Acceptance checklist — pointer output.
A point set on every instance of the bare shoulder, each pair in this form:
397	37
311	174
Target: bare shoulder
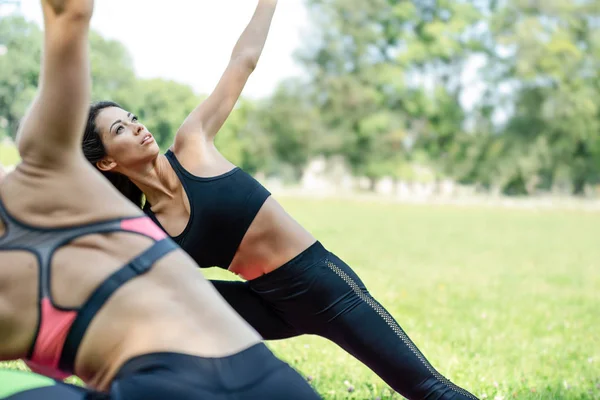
70	195
202	158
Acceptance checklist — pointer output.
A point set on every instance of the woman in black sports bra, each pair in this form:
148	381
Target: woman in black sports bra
89	285
222	217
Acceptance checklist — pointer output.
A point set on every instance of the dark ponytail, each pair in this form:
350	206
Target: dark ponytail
94	151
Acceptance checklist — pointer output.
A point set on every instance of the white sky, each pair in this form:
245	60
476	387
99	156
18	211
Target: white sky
190	41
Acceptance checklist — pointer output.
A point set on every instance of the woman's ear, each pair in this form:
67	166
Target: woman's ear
106	164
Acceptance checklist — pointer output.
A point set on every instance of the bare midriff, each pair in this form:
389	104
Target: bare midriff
272	239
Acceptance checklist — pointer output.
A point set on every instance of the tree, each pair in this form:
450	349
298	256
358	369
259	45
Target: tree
111	69
113	77
244	141
161	105
293	125
384	72
19	69
549	54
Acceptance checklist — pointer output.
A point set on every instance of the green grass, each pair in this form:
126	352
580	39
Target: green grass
505	303
9	155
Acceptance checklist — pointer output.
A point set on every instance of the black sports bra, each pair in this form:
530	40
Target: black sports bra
221	211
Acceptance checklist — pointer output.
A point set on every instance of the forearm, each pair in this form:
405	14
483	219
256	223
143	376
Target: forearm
252	40
57	116
206	119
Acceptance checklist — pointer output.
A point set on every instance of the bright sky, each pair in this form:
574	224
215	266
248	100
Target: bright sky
190	41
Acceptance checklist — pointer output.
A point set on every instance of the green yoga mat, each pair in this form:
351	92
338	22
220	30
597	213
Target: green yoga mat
12	382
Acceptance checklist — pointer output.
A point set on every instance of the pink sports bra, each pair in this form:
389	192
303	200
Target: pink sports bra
60	330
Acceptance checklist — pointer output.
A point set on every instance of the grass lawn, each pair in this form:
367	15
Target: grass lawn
9	155
505	303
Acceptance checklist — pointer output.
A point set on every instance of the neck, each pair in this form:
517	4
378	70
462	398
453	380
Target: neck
157	180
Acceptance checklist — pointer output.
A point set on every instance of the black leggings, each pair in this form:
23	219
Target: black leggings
317	293
254	373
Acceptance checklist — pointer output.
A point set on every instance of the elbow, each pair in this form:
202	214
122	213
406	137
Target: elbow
73	10
79	14
247	59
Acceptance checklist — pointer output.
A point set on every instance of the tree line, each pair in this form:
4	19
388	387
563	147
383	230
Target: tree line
386	85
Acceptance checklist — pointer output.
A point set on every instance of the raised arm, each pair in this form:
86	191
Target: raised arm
205	121
51	131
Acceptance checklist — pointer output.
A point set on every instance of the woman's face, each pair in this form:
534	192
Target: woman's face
127	142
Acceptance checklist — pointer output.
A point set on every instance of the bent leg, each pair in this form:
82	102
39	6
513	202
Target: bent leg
364	328
254	310
323	296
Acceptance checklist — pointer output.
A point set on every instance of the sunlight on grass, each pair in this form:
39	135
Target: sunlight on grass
9	154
